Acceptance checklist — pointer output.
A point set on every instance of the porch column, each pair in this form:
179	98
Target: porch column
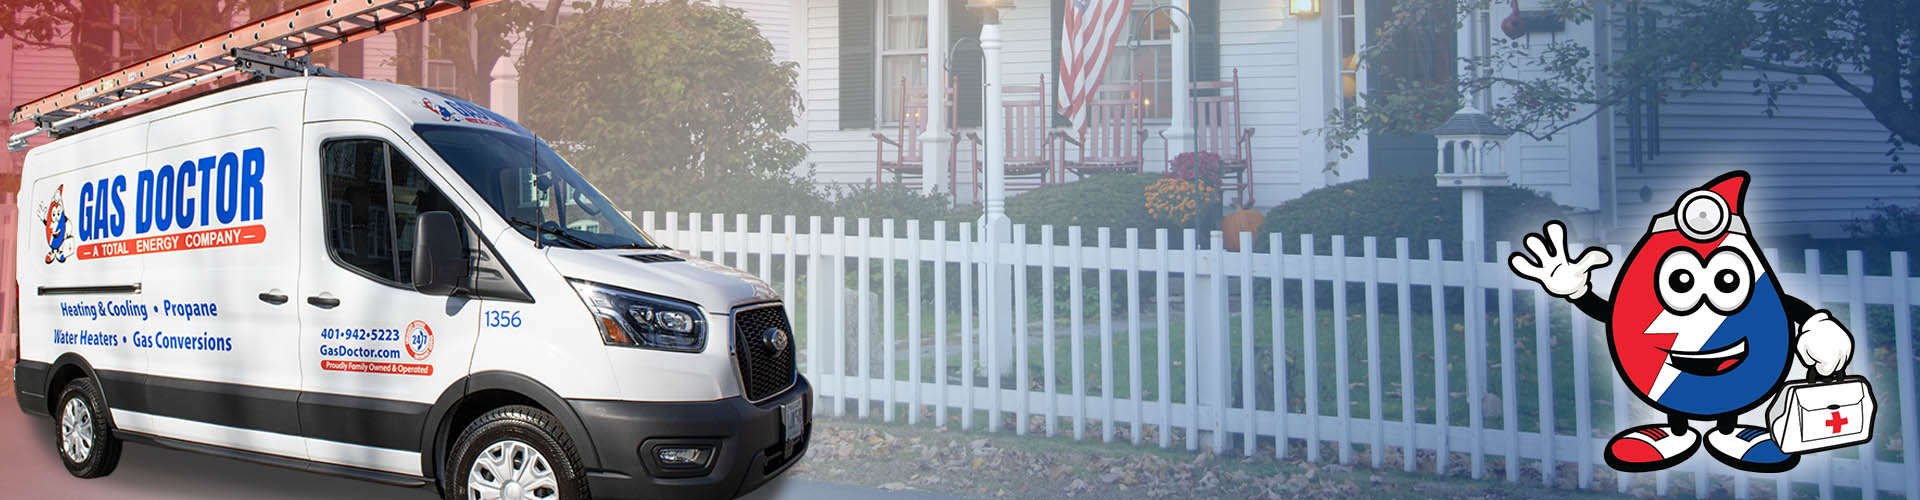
1180	128
935	139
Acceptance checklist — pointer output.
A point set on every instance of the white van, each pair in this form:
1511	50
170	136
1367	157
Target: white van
387	283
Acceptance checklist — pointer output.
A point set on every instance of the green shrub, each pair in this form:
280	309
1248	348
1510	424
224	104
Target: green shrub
1118	201
901	204
1888	227
741	194
1409	206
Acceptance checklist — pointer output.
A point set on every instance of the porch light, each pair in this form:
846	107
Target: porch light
989	10
1305	8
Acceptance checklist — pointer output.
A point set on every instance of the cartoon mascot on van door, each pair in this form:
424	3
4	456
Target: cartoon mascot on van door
1700	330
55	220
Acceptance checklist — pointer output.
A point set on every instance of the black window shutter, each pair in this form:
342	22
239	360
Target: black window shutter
963	23
856	64
1205	40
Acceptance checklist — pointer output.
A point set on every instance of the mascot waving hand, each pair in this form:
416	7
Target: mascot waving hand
1698	328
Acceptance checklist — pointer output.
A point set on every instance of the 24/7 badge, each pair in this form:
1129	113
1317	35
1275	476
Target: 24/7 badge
419	340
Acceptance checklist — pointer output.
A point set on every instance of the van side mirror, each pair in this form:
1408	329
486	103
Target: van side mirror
440	263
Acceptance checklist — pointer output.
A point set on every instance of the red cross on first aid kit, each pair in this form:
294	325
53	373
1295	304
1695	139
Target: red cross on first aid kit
1813	415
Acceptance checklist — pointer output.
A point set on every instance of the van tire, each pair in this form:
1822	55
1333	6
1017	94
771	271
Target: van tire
523	424
90	420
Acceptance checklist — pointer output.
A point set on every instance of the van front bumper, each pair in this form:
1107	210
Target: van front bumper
744	440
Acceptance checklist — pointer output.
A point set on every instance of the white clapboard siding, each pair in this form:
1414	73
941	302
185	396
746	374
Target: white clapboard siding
1213	293
1256	37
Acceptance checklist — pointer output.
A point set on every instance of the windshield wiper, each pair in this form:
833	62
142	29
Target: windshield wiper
562	234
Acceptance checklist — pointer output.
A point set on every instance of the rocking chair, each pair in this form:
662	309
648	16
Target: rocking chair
908	164
1030	158
1217	129
1114	138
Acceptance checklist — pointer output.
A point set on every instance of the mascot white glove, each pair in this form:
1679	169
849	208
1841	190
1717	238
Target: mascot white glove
1549	265
1824	346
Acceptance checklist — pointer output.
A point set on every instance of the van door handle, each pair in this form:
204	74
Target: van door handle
273	297
323	301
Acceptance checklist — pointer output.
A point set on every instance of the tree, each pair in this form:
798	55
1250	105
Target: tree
1685	45
498	27
92	28
664	94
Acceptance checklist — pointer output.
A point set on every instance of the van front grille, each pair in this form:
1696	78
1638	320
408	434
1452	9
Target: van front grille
766	366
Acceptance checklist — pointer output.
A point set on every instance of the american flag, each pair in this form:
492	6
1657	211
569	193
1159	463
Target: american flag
1091	29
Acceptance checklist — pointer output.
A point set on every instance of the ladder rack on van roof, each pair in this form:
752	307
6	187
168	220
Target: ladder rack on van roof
272	47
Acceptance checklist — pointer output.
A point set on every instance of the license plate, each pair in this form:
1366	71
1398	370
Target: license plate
793	417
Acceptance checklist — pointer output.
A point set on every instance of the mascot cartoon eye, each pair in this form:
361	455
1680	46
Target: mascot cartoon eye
1732	277
1679	278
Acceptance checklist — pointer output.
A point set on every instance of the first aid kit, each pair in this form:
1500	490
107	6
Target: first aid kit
1822	414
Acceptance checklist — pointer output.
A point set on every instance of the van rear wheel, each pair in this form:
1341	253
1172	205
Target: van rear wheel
83	431
512	453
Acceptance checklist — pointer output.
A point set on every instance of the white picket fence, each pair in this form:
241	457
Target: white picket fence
958	371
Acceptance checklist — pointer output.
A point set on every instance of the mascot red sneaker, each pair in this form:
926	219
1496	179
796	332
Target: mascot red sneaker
1698	328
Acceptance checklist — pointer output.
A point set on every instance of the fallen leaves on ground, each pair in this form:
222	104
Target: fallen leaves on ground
968	465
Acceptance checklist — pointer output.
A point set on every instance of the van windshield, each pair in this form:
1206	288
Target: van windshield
533	189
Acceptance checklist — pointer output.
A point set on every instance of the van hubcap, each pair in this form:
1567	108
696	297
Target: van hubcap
511	470
76	431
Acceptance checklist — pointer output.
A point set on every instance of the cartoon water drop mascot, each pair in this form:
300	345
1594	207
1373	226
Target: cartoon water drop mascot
55	220
1698	328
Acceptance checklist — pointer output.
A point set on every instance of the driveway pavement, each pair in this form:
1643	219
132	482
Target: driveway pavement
29	469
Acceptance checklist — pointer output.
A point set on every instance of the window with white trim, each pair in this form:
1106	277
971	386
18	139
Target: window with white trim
1146	50
1349	60
902	39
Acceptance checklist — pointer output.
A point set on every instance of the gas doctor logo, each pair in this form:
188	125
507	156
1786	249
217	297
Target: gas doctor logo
210	193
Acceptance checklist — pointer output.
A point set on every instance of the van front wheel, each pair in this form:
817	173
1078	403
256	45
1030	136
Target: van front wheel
83	433
515	452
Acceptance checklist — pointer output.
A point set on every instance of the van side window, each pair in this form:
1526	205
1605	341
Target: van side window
356	194
371	222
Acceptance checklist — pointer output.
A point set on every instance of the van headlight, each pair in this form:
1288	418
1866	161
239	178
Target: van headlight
632	319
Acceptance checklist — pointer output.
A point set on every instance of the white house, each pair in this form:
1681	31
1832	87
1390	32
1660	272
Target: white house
1818	161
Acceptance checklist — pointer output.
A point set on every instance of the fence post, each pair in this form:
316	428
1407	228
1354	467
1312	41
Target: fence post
1104	236
1442	400
1310	344
1903	351
1862	364
1218	333
1473	313
1076	332
968	246
1404	294
1249	401
888	327
1195	323
1376	451
914	326
816	339
1050	360
1342	385
863	325
1277	250
1134	382
1509	364
1162	334
1813	296
940	323
1019	296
